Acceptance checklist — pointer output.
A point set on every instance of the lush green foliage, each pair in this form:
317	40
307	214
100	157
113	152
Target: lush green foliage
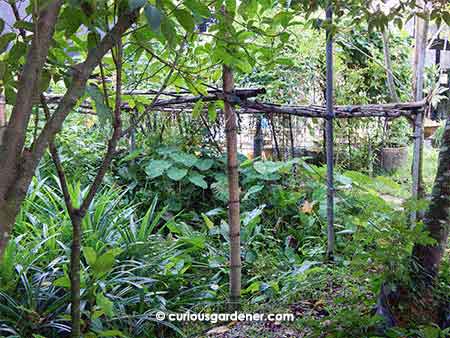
156	236
140	257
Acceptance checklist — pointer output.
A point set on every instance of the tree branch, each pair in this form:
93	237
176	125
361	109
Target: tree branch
15	133
80	76
117	127
58	165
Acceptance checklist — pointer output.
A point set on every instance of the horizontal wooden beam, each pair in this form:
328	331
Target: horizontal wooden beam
440	44
391	110
184	104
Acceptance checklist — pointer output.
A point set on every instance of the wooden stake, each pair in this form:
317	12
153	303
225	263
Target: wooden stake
2	116
233	191
418	86
329	137
258	140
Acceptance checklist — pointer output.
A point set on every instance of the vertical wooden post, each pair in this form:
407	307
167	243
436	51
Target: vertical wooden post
133	136
258	141
2	110
291	137
329	136
233	191
421	34
2	116
388	65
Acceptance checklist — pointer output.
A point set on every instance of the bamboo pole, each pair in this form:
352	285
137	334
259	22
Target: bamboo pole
233	190
418	86
329	137
258	140
2	116
388	65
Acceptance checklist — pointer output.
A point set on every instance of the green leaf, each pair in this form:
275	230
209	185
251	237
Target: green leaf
267	167
168	30
10	95
198	8
135	4
176	174
17	51
93	39
198	180
253	190
204	164
71	20
154	17
231	7
212	111
185	19
28	26
90	255
156	168
5	40
44	81
284	61
2	69
63	282
105	304
198	107
104	263
208	222
186	159
132	156
103	112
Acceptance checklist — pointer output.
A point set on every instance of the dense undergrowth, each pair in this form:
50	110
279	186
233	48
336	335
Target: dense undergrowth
156	238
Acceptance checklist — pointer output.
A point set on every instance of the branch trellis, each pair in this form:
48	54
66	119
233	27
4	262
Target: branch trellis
243	101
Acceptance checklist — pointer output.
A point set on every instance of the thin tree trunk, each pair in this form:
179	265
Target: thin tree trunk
75	310
77	215
436	220
388	65
233	191
12	191
17	165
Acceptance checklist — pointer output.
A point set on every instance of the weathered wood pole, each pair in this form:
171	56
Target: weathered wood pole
418	86
2	116
388	65
258	140
233	191
291	137
329	136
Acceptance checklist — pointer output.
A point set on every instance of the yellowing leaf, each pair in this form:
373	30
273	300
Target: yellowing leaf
308	207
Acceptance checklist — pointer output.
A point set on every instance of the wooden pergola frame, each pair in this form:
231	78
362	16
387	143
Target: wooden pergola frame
240	101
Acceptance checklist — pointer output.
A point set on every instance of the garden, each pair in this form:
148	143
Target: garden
167	164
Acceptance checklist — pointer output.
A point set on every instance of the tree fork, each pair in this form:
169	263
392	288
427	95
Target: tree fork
17	166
